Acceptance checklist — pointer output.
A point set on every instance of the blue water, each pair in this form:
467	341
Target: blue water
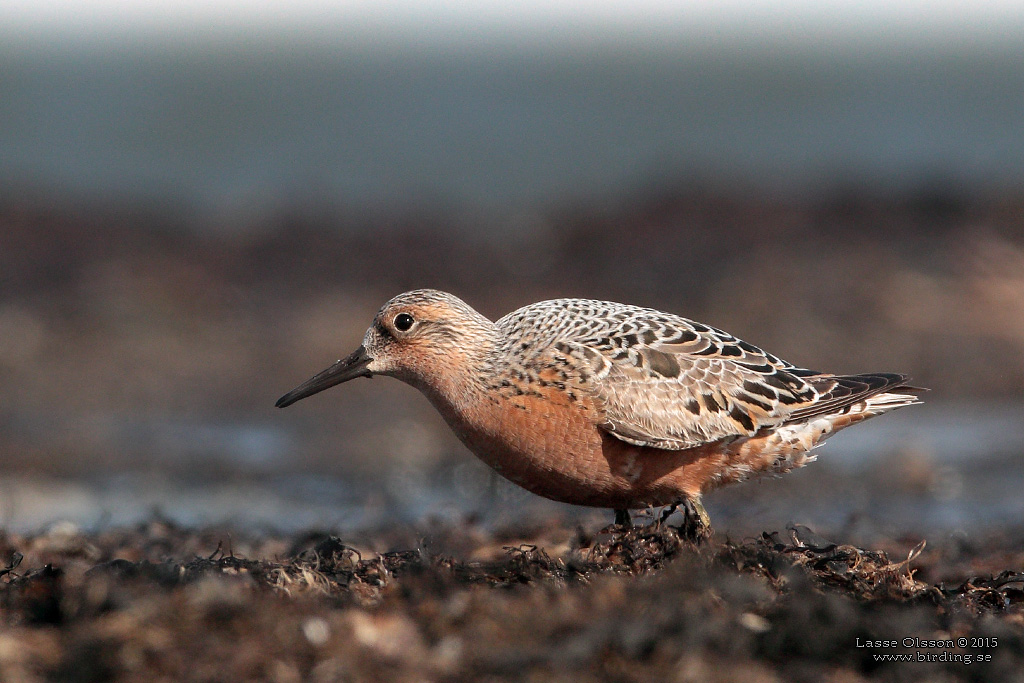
230	129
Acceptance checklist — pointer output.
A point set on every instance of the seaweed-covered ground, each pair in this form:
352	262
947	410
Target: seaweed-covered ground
456	602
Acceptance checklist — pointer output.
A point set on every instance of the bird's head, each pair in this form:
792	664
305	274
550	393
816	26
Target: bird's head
423	337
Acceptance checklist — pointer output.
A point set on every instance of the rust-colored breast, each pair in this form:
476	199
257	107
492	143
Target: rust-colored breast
551	445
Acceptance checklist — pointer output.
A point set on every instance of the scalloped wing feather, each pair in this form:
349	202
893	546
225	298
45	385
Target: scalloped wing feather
684	384
664	381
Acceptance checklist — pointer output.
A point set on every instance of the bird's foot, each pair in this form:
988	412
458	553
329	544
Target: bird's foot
696	526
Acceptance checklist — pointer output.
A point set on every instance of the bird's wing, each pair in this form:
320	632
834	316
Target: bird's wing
668	382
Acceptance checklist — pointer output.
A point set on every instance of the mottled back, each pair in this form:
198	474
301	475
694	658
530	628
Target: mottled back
664	381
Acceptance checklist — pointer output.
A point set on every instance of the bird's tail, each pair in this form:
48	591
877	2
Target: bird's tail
838	393
872	406
790	445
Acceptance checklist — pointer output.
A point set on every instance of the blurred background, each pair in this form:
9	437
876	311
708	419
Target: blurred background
202	204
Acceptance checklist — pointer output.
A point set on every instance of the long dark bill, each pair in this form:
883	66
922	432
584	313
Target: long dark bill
345	369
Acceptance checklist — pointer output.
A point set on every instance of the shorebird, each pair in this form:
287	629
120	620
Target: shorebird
609	405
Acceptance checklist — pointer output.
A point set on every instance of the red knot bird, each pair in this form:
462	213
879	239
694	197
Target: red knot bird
609	405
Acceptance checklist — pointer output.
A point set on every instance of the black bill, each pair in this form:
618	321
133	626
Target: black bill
345	369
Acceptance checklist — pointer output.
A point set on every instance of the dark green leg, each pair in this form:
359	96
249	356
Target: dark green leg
696	523
668	513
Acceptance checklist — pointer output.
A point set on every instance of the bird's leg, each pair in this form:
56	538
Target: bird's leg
696	523
668	512
622	518
702	514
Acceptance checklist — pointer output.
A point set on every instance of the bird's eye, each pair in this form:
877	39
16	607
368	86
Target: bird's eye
403	321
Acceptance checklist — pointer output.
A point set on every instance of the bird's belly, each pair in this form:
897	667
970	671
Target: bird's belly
555	449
